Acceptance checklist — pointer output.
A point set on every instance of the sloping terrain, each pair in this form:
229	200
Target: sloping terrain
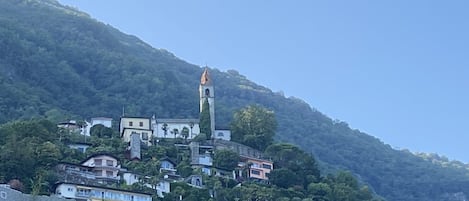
59	63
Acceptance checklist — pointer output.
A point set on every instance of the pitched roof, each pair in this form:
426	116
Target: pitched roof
205	79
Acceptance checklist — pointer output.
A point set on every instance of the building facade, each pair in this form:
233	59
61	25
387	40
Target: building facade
136	125
174	128
94	193
105	167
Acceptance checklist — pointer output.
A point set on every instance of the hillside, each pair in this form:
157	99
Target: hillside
59	63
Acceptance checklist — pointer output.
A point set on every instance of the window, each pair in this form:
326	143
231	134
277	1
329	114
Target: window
267	166
98	173
109	163
207	92
98	162
220	134
131	123
256	172
255	165
144	136
109	174
141	124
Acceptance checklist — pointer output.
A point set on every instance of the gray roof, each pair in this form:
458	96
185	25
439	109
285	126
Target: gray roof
195	121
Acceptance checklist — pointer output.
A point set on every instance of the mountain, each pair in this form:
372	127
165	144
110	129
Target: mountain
60	63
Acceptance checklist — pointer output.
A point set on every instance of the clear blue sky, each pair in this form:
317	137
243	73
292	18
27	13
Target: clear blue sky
397	70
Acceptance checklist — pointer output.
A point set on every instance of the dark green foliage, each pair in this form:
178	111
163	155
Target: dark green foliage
254	126
205	123
58	63
290	161
225	159
101	131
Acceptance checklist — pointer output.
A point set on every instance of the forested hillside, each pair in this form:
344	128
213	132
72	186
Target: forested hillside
59	63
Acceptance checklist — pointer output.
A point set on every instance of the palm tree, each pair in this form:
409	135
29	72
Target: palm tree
165	129
185	133
191	125
175	132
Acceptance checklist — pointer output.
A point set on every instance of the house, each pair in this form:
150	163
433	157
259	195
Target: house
70	126
9	193
167	165
107	122
136	125
81	192
175	128
105	167
258	168
195	181
222	134
80	146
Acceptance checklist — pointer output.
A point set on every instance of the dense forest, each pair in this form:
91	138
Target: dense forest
59	63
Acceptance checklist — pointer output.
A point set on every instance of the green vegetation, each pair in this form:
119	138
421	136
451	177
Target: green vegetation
254	126
58	63
205	123
43	146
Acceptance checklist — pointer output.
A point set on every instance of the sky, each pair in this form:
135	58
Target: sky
397	70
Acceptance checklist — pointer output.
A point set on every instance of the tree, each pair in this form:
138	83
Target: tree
185	132
101	131
254	126
205	123
293	158
284	178
175	132
165	129
226	159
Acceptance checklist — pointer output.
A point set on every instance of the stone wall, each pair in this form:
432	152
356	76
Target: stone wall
8	194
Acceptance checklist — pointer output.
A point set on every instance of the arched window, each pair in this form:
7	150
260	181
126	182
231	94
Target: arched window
207	92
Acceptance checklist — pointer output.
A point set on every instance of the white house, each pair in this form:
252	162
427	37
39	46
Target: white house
138	125
105	121
90	193
106	167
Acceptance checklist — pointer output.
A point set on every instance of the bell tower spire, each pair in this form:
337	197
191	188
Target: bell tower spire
206	92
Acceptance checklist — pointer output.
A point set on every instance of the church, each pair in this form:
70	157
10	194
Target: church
148	128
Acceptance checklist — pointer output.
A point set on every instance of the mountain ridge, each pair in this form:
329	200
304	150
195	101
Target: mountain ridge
60	63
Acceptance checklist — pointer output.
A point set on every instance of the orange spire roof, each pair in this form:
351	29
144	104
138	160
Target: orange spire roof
205	78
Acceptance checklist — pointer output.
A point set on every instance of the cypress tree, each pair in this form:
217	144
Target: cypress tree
205	123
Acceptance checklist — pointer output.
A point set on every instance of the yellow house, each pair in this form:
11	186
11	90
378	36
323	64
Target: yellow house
139	125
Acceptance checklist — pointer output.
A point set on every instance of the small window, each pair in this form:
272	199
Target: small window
220	134
109	174
141	124
256	172
131	123
266	166
109	163
207	92
98	162
98	173
144	136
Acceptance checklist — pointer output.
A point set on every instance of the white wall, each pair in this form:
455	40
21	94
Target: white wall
66	190
159	133
222	135
107	122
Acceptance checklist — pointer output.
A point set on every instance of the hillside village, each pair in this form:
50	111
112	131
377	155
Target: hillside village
100	174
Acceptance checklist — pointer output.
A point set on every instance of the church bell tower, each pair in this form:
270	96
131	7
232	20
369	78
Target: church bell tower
207	93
